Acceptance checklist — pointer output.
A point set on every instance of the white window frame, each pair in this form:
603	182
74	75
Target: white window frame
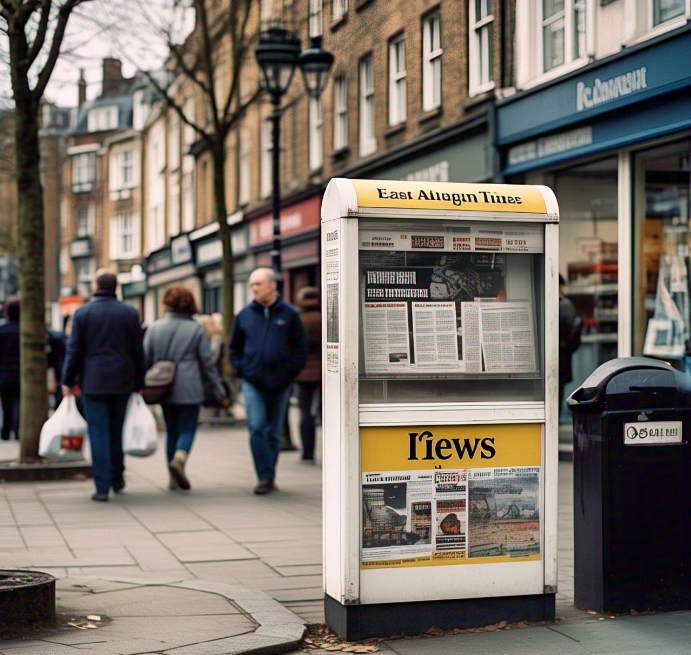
86	227
368	140
481	73
124	243
266	156
670	23
174	142
398	90
340	9
187	200
126	168
100	119
340	112
266	11
88	263
431	62
316	19
174	188
316	134
570	60
245	170
84	168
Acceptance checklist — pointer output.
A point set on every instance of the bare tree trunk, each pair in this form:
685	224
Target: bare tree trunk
228	262
34	394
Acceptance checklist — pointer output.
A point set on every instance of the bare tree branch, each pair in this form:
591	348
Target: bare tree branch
41	32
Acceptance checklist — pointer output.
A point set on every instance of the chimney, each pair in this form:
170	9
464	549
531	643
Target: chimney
112	76
82	87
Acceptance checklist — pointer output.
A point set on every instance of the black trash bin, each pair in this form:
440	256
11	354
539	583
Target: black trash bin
632	487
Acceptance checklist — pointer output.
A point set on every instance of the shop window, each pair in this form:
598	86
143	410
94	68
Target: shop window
588	260
662	238
664	10
397	81
431	62
563	32
481	55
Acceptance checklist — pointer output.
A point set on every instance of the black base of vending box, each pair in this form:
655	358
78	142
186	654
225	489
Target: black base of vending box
358	622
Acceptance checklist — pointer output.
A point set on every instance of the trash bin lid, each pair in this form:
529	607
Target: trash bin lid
593	389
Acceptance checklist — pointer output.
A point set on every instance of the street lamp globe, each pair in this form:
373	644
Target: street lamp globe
277	55
315	65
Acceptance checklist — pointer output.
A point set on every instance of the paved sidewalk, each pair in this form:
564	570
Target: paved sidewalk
221	534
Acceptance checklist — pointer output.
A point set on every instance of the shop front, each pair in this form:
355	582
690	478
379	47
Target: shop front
168	266
613	140
300	223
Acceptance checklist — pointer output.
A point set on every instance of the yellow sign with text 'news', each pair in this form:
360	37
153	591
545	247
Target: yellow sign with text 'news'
490	198
447	495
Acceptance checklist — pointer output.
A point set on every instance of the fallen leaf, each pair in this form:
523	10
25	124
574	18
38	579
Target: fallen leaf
591	612
75	625
91	626
93	617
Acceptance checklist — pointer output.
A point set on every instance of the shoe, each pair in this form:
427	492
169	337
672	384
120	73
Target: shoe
118	487
265	487
288	446
177	470
307	460
100	498
172	485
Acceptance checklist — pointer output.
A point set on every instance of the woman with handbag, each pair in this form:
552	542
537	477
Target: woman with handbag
179	360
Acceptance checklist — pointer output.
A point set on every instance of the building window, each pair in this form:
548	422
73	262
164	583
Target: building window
266	11
431	62
340	113
86	220
174	204
368	143
188	201
316	133
245	167
340	9
265	186
102	118
85	269
315	18
481	53
83	168
174	142
664	10
563	32
122	245
397	81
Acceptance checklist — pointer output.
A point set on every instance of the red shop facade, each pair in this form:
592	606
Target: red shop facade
300	225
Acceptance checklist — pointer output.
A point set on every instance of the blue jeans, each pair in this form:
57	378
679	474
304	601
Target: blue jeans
266	411
181	426
105	414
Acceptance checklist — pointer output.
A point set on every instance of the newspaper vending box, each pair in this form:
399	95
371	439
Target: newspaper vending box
440	338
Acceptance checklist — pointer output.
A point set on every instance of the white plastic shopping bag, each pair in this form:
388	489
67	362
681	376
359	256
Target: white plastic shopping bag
64	433
139	431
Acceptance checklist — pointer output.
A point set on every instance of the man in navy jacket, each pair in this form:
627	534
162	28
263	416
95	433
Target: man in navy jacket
105	359
268	348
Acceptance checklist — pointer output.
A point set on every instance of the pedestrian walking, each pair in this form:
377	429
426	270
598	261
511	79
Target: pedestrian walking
105	364
9	370
570	329
268	348
179	338
308	381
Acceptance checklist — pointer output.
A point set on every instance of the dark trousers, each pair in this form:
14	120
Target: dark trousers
266	411
10	412
105	414
181	426
309	396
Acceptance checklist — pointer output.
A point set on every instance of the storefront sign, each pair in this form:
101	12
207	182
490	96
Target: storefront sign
159	261
209	252
635	75
551	145
300	217
181	249
467	197
445	495
81	248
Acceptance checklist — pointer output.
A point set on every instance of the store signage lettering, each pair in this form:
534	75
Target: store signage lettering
445	448
604	91
457	199
435	173
551	145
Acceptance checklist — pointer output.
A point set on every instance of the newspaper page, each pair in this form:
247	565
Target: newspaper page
387	341
508	337
332	264
472	346
456	515
504	512
435	335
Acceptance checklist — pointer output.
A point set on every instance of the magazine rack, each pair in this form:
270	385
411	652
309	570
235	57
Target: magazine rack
440	417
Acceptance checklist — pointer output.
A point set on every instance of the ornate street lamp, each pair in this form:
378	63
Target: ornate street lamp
278	54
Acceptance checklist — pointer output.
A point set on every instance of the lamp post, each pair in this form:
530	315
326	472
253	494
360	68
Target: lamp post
278	54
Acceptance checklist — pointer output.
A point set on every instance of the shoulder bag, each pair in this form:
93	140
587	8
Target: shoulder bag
159	379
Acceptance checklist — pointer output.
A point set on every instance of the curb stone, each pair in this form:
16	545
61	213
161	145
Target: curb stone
279	630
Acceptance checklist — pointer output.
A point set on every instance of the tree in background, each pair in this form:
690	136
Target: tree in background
33	32
208	46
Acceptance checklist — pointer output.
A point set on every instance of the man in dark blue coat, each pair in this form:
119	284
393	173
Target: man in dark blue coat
268	348
105	360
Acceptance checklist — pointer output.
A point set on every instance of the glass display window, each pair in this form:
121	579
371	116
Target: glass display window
449	311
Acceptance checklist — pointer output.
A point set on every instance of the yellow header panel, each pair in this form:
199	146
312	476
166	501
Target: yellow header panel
450	196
